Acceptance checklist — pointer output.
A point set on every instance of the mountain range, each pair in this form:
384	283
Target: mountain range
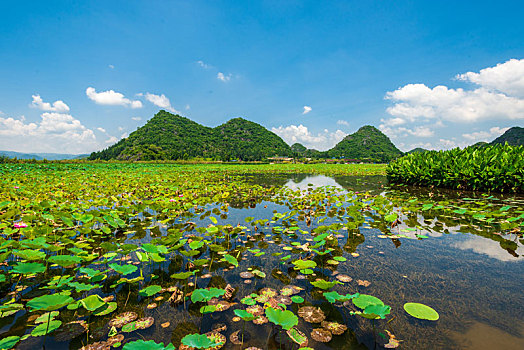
42	156
170	136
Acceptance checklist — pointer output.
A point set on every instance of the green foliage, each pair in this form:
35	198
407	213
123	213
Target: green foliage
492	168
368	143
147	345
421	311
286	319
169	136
199	341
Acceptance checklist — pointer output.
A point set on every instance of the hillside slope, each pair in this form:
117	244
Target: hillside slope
169	136
513	136
367	143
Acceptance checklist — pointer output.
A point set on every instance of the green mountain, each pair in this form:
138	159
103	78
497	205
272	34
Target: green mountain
513	136
417	150
367	143
169	136
298	148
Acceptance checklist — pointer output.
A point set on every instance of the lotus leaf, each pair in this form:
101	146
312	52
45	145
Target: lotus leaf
49	302
28	268
421	311
150	290
123	269
199	341
206	294
147	345
46	328
9	342
286	319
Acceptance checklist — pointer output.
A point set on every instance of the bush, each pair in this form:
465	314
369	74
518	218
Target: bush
491	168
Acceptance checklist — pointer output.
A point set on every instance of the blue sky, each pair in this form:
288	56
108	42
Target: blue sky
76	77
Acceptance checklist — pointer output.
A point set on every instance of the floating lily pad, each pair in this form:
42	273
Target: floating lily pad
421	311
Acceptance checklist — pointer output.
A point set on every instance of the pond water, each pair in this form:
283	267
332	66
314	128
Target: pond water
470	270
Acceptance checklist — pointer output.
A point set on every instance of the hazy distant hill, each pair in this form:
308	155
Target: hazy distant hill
513	136
41	156
169	136
367	143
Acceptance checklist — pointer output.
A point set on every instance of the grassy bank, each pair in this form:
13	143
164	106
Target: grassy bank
494	168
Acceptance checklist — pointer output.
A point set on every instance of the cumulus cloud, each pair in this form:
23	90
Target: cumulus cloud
111	98
499	95
57	106
136	119
161	101
507	77
307	109
299	133
224	78
55	132
342	122
488	135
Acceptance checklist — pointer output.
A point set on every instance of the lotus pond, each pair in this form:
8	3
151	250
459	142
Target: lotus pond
145	256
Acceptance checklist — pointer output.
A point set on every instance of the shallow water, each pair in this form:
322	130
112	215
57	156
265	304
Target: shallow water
471	274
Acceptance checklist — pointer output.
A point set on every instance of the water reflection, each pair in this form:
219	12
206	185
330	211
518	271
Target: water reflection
488	247
312	182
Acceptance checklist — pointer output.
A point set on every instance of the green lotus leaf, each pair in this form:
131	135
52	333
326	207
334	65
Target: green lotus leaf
28	268
82	287
304	264
363	300
199	341
206	294
105	309
286	319
243	314
92	302
45	328
183	275
231	259
207	309
65	260
30	254
297	299
147	345
49	302
9	342
124	269
421	311
324	284
376	311
47	317
149	291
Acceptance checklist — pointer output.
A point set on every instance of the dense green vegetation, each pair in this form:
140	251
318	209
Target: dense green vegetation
367	143
169	136
492	168
514	137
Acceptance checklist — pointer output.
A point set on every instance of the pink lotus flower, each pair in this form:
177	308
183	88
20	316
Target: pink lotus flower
20	224
181	195
172	200
17	187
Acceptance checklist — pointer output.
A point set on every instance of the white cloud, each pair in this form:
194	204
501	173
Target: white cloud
489	135
55	132
204	65
321	141
111	139
417	101
499	95
307	109
224	78
401	132
101	130
136	119
111	98
161	101
342	122
188	107
111	66
507	77
57	106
